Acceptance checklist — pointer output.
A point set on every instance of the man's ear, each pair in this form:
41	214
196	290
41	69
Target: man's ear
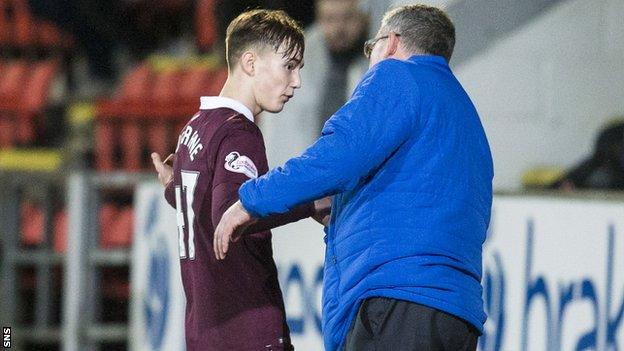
247	62
392	45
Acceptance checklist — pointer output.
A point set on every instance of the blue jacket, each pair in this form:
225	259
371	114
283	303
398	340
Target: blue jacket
411	170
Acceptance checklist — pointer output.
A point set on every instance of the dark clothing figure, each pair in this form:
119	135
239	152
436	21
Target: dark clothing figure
605	168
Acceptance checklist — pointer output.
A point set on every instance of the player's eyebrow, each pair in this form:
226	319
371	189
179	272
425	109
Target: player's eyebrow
296	61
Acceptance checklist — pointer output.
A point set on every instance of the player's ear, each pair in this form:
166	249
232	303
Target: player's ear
247	62
392	44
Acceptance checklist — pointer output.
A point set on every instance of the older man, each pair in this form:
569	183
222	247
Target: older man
410	167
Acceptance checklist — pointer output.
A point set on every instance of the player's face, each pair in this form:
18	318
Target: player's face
276	79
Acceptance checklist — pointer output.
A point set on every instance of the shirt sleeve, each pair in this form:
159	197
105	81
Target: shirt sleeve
240	157
355	141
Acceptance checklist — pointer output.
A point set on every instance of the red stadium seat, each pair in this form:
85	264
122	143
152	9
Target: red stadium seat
11	89
24	24
158	137
32	224
135	92
24	90
12	83
34	99
116	226
105	145
205	24
6	26
19	29
131	145
107	215
60	231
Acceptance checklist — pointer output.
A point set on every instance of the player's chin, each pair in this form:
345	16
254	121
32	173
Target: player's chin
276	107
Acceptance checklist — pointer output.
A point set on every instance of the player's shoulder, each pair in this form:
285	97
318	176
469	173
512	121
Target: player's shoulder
238	123
237	126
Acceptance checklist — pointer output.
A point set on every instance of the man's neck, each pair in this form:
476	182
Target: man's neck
233	90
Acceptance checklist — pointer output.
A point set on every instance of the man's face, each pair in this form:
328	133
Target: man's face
341	22
276	79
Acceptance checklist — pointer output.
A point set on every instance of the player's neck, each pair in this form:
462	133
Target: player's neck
241	93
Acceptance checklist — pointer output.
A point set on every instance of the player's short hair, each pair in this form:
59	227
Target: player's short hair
423	29
272	28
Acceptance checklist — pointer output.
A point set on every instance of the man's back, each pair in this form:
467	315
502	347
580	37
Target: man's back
235	304
424	210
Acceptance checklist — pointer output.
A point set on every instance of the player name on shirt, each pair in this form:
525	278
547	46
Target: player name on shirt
191	140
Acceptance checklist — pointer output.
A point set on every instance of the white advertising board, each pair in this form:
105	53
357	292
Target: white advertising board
553	276
157	306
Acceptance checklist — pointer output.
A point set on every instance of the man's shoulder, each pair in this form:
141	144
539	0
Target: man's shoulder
390	66
387	78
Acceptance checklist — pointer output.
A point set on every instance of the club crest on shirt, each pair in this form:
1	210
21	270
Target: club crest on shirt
234	162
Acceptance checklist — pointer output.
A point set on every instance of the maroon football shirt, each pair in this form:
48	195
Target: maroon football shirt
234	304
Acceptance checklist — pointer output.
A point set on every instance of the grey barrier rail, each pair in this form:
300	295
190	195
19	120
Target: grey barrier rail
66	313
42	326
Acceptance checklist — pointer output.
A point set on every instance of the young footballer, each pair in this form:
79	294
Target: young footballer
235	304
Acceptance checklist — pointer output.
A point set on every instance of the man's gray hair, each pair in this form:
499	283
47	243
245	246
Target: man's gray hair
422	29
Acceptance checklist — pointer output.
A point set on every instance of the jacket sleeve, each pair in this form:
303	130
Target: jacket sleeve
355	141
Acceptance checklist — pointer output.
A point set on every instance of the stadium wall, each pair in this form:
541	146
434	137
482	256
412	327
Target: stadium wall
545	89
553	275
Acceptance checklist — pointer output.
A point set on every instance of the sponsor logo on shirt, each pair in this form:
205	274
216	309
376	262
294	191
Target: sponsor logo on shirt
238	163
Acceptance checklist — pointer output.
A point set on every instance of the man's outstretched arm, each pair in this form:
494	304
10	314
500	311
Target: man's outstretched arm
238	222
355	141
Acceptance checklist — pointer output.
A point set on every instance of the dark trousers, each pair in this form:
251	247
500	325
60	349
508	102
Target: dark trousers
389	324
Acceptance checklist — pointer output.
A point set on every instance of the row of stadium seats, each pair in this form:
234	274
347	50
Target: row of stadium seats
147	112
20	30
115	226
24	90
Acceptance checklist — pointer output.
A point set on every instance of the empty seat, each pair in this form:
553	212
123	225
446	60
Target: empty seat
205	24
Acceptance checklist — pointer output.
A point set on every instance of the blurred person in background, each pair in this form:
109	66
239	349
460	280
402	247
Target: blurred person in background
410	168
604	170
333	67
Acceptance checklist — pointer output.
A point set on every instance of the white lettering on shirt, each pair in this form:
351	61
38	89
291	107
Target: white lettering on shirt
191	140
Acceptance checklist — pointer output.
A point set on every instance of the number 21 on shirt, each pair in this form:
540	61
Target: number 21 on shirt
185	220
